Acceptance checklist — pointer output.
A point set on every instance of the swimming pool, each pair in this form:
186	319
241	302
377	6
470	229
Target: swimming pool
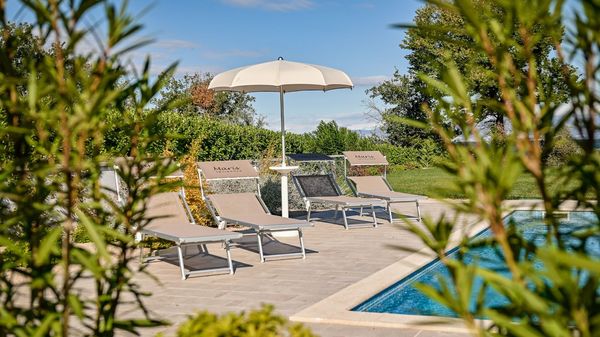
403	298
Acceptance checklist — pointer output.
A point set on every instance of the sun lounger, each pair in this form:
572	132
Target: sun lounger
322	189
377	186
246	209
170	220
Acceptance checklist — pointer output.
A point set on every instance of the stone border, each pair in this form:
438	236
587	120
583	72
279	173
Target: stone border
336	309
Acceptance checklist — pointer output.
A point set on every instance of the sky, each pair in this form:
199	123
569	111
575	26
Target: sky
217	35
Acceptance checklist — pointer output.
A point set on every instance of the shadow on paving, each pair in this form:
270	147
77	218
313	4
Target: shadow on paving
199	261
270	245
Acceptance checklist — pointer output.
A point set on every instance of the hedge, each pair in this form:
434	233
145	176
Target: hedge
223	141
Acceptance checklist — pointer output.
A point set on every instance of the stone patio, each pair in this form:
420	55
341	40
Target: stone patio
336	258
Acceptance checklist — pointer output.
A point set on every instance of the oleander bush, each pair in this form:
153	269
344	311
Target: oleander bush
54	103
550	289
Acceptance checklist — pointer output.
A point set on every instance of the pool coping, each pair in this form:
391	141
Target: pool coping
336	309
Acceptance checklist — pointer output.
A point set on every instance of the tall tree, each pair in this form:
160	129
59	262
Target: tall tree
192	89
438	37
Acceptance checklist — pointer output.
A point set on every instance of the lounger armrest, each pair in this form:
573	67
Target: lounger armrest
357	203
270	227
391	198
200	238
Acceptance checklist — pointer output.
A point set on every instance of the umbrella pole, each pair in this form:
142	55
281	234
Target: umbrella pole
284	173
281	109
283	170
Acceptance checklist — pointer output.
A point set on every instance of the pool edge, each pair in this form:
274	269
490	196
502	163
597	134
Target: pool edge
336	309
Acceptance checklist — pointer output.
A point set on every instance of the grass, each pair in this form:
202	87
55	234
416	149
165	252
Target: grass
434	182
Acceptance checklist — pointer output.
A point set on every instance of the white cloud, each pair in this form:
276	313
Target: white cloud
174	44
272	5
369	81
361	126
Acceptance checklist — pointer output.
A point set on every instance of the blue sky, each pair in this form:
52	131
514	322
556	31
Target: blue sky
217	35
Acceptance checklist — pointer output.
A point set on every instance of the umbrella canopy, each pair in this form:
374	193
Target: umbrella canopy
281	76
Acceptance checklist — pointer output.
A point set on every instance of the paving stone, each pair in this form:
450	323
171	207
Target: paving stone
338	259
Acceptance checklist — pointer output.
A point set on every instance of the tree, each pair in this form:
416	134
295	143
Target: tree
192	90
405	94
54	105
440	36
331	139
552	285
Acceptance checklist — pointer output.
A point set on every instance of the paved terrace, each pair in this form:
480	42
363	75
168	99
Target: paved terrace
336	259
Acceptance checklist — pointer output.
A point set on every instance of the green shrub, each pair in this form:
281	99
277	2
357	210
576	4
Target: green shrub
564	148
257	323
225	141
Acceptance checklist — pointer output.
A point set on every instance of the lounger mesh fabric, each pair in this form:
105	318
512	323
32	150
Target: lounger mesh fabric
317	186
364	158
376	186
323	189
246	208
230	169
171	222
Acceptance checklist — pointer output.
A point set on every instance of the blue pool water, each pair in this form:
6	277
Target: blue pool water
403	298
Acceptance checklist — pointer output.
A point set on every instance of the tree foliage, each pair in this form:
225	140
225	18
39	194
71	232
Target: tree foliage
439	36
192	90
330	138
54	104
552	289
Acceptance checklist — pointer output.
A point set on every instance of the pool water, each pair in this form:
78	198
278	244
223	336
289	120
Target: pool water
403	298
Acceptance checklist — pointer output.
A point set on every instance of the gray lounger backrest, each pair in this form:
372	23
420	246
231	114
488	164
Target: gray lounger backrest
322	185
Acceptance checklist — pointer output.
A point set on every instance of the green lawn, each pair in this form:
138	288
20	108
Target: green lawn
435	182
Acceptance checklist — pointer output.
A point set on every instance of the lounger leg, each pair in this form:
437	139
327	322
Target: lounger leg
180	253
141	249
227	250
301	243
308	212
141	254
260	247
374	216
389	207
361	211
418	212
336	211
344	216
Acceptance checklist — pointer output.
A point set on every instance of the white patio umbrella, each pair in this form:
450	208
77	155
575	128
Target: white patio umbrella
281	76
